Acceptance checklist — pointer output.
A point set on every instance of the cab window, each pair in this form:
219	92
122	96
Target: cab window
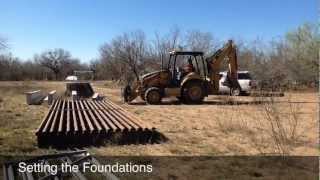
244	76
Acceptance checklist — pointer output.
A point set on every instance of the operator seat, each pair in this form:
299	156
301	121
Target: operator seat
189	67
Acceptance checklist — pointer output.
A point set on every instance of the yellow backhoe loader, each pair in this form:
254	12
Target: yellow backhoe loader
190	83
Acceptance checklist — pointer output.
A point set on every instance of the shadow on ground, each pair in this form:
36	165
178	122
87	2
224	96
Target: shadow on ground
210	102
63	141
219	102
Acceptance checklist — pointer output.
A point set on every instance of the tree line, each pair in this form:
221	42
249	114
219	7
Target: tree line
292	59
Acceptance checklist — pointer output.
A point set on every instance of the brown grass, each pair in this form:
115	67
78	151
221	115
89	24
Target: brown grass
225	125
18	121
221	126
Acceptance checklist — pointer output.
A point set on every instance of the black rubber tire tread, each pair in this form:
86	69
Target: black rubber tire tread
185	95
149	90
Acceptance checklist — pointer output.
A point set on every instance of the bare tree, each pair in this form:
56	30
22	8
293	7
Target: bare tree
54	60
174	38
10	67
94	66
163	44
291	59
303	57
128	52
200	41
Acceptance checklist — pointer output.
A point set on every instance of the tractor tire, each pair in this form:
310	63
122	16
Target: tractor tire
193	93
153	96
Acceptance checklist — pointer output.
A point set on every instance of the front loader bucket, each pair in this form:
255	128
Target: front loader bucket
129	93
126	94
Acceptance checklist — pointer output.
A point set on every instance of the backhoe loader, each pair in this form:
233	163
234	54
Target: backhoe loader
190	83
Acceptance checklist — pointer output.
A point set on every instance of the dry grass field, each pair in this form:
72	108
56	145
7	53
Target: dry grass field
221	126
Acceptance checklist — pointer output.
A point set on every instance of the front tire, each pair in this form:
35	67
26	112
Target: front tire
193	93
153	96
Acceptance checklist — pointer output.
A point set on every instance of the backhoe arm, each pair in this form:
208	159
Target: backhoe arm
227	52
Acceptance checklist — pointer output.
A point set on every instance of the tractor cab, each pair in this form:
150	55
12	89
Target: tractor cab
182	63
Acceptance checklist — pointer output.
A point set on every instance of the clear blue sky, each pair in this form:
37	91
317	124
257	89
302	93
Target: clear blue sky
82	26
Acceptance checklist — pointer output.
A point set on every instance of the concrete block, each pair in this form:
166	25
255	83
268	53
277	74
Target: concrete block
34	97
95	96
52	96
74	95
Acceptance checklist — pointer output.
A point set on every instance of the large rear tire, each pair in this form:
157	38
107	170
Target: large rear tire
193	92
153	96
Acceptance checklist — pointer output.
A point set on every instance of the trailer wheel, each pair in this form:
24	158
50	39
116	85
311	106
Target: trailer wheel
153	95
193	93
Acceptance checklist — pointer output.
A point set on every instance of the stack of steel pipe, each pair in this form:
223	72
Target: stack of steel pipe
89	122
